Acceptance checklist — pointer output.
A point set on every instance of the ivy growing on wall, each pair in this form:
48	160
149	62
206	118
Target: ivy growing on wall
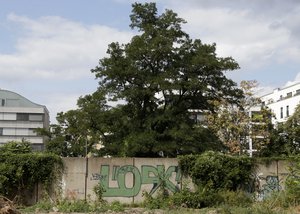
21	169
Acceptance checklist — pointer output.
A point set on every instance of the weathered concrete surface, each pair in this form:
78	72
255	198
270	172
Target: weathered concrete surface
73	178
125	179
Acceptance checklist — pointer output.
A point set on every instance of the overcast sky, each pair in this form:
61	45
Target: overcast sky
47	48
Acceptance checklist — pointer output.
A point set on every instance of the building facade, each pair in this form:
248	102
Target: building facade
19	117
282	102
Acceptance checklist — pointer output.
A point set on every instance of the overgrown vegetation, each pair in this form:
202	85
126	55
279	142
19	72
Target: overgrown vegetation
21	169
207	196
217	171
220	179
221	187
292	183
98	190
71	206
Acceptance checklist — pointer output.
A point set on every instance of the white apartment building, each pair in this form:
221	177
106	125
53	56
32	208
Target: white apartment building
19	117
282	102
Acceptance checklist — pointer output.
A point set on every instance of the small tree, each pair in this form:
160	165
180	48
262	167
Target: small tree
234	125
285	139
292	130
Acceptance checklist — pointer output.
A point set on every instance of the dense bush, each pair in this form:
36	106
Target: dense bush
218	171
219	178
21	169
16	147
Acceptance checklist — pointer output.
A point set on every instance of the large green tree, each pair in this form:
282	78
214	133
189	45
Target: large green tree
147	89
156	79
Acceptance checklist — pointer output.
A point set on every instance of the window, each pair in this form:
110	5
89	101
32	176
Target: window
289	94
297	91
287	111
36	117
9	116
2	102
1	131
281	112
37	147
22	117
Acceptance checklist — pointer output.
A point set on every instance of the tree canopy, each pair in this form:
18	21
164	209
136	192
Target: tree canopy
154	81
285	139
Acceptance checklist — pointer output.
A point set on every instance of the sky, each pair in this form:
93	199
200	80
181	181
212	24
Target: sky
47	48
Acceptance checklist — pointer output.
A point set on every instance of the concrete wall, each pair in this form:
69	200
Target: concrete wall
270	177
125	179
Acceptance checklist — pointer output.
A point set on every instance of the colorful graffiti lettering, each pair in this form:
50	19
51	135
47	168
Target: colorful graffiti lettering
157	176
271	185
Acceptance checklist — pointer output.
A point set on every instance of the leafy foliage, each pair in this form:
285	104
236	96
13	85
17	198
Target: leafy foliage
292	183
21	169
280	144
16	147
233	124
292	131
71	138
198	199
217	171
155	80
285	139
99	190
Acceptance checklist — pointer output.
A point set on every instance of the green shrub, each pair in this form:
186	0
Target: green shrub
41	206
116	206
16	147
236	198
292	183
218	171
21	171
99	190
198	199
74	206
87	207
158	202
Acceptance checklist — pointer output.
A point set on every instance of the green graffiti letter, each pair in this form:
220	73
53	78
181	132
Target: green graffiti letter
120	175
160	177
154	179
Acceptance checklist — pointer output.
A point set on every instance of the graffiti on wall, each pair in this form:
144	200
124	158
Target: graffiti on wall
271	184
73	193
158	176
